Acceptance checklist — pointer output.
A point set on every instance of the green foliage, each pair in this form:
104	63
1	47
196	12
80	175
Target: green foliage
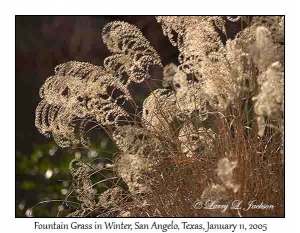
43	177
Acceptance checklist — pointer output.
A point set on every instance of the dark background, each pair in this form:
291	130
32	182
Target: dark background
42	42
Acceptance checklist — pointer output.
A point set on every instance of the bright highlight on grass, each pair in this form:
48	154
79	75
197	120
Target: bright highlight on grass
212	132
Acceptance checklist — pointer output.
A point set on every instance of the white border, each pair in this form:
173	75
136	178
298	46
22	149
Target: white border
129	7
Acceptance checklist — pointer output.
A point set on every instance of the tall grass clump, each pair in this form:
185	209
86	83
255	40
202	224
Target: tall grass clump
212	131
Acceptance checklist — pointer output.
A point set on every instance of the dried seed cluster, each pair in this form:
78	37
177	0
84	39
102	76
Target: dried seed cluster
202	97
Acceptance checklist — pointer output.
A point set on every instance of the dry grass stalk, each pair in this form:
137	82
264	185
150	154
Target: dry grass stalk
197	139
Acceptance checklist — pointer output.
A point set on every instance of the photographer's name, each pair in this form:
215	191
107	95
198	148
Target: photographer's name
234	205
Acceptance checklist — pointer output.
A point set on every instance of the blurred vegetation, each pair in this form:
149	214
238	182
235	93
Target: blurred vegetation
43	178
43	42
